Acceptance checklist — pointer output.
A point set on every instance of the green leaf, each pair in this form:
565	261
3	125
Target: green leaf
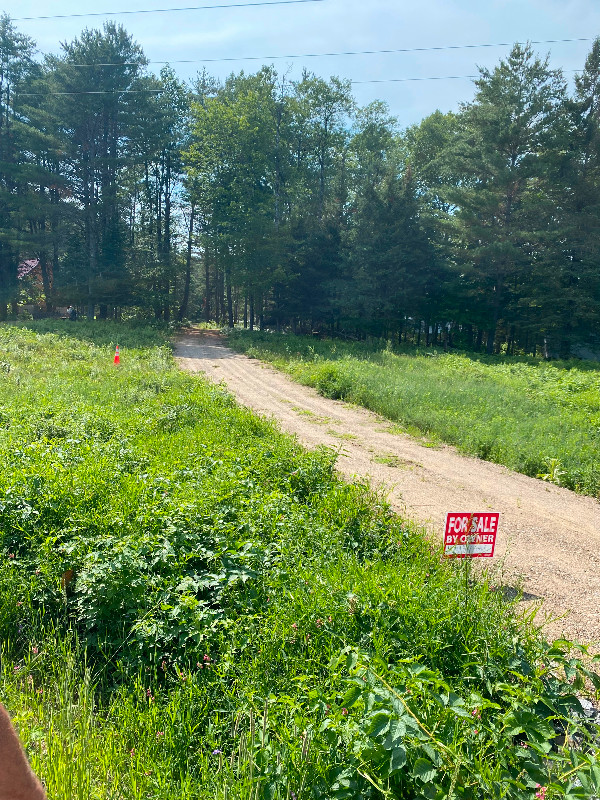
526	722
424	770
396	734
351	696
397	759
380	723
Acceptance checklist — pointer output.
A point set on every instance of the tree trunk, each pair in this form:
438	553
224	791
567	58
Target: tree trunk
207	286
229	300
251	311
188	268
46	281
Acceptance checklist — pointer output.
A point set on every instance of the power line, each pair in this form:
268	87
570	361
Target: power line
166	10
99	91
405	80
335	54
158	91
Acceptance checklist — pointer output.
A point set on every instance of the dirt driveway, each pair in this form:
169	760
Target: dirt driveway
549	538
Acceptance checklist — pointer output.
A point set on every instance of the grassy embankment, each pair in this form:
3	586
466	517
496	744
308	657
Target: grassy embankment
539	418
193	607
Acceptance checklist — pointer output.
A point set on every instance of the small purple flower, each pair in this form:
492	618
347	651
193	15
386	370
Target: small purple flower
216	752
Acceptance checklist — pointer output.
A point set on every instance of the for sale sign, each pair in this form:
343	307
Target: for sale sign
470	534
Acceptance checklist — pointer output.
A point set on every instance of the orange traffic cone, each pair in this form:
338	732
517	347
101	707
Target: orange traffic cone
117	359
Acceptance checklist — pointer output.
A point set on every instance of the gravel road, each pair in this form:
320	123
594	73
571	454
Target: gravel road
549	538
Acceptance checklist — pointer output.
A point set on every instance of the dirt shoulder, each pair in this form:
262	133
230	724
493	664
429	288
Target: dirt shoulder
549	538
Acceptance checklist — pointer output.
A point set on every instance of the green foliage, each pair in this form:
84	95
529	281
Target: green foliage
539	418
188	599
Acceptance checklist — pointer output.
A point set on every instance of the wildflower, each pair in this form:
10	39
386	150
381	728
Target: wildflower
35	650
541	793
163	666
16	668
319	623
19	603
159	734
216	752
11	555
476	730
294	626
132	752
476	713
345	712
38	572
40	690
206	658
329	620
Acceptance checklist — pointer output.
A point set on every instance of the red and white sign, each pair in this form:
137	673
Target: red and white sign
470	534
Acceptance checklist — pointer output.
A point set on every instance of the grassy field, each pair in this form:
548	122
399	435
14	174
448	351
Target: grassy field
539	418
193	607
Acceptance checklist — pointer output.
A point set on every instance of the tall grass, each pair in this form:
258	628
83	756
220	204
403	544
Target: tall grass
193	607
538	418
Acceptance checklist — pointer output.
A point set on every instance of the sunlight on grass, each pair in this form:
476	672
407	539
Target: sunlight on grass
191	606
524	413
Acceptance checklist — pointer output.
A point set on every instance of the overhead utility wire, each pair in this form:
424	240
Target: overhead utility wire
329	55
158	91
166	10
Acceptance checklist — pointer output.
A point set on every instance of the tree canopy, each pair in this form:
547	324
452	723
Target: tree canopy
270	202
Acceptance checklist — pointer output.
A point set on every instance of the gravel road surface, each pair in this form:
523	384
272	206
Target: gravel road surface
549	538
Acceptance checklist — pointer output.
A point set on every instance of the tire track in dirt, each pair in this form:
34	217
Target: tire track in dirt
549	537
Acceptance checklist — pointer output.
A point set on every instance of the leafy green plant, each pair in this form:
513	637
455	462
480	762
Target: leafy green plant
178	581
535	417
554	473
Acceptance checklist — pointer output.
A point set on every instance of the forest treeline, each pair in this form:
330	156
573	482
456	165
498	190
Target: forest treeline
281	203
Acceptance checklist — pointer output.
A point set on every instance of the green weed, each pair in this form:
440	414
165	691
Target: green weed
187	597
522	413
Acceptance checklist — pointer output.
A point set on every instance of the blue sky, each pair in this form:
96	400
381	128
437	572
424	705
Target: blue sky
338	25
